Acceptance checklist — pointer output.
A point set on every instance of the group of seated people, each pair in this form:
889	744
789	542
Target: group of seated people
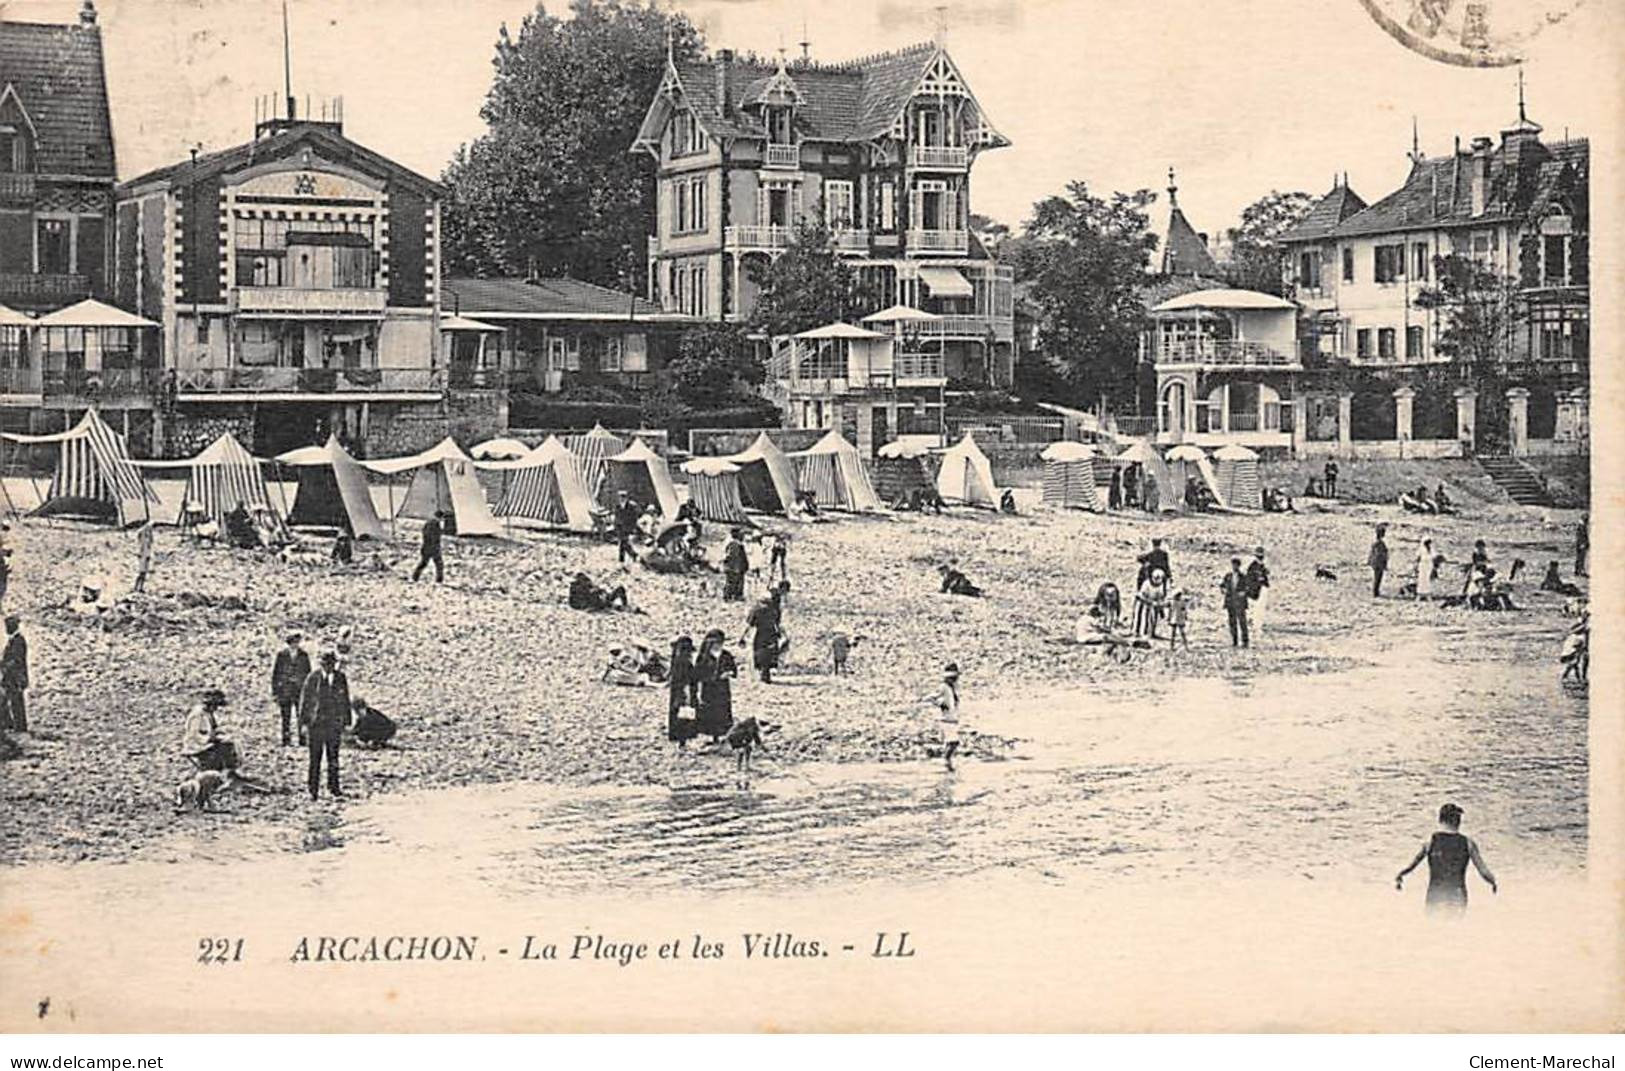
635	663
587	594
919	500
1418	501
1278	500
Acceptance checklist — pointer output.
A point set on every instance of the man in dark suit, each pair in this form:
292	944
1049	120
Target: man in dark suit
14	676
324	710
1258	579
1235	589
626	526
287	680
432	530
1152	560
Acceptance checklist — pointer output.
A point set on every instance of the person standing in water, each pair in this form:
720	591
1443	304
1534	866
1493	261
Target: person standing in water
946	700
1447	853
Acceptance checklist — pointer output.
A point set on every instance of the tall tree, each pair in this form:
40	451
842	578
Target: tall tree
1477	314
552	186
1256	253
808	285
715	366
1084	259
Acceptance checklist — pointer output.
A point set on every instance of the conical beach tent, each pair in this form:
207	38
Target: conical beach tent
713	489
833	471
767	477
94	475
592	453
1069	475
332	491
966	476
1236	472
443	480
645	477
499	449
545	485
901	468
1140	453
223	477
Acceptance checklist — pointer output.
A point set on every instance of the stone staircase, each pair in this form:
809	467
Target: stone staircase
1520	482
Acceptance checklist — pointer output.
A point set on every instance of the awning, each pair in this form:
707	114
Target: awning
945	282
13	318
463	323
89	313
839	331
899	314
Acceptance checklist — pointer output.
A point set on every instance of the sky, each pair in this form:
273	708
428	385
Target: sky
1240	96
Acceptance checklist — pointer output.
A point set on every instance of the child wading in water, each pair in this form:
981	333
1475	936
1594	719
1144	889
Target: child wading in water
1448	853
946	700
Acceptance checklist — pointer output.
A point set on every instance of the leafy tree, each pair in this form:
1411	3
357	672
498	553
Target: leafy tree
551	186
1256	252
715	366
808	285
1477	317
1084	259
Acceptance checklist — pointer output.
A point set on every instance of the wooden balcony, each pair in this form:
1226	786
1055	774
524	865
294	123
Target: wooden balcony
42	290
852	240
16	188
757	237
937	241
918	370
102	384
204	384
309	303
782	157
1224	353
938	157
25	381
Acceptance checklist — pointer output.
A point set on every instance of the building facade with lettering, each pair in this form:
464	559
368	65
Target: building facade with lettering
296	281
880	150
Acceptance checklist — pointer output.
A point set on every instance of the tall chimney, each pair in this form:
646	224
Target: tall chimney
87	14
724	61
1480	174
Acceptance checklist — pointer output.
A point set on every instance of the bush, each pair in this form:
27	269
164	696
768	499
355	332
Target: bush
544	411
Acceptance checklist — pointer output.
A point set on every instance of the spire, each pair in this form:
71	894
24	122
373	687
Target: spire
1522	118
1525	125
671	43
1173	190
287	61
1416	142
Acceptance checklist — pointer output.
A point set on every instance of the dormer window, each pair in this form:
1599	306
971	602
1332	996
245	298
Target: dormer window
687	135
780	124
14	150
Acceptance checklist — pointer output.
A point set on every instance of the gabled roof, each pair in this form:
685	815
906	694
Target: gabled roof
59	79
323	137
566	299
1523	178
1325	214
853	101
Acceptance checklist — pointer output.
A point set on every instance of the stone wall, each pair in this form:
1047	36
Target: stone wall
398	428
187	431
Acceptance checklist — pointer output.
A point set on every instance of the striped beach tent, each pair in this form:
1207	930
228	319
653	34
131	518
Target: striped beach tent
94	475
592	453
901	468
223	477
966	475
545	485
1069	475
833	471
767	476
645	477
1236	472
332	492
713	489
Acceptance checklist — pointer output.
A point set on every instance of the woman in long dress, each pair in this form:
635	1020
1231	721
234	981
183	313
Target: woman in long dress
1150	604
714	671
1424	570
683	692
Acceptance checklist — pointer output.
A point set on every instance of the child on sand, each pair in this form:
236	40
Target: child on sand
946	700
1178	615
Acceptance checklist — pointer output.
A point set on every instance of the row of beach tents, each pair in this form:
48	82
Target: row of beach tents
560	481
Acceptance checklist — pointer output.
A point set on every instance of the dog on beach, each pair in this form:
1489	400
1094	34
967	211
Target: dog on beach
840	649
198	791
1323	572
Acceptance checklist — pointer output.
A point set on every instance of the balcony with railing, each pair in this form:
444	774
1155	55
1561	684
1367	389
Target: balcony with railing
16	188
21	381
1229	353
782	157
100	384
938	157
42	290
918	369
852	240
938	241
770	236
284	301
314	381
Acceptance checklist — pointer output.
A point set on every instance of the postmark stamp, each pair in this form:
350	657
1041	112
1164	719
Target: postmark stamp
1469	33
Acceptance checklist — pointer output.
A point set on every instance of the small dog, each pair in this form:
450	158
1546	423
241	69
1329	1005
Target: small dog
198	791
1324	573
840	649
1518	565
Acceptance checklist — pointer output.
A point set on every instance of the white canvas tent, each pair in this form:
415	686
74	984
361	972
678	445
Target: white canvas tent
94	474
713	489
966	476
1140	453
545	485
443	480
1236	474
645	477
767	477
833	471
332	491
1185	459
1069	475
